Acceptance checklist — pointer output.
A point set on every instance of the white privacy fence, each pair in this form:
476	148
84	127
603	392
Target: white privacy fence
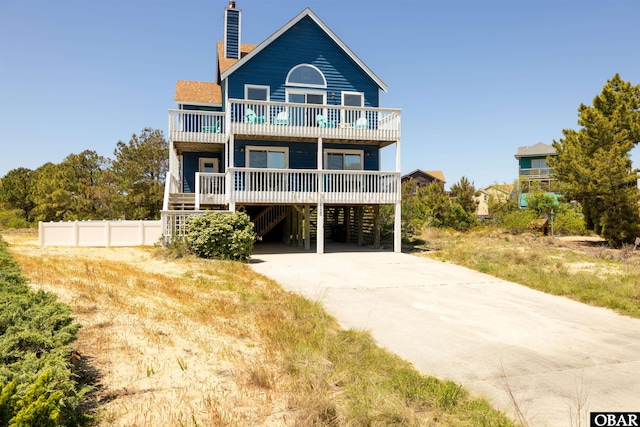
100	233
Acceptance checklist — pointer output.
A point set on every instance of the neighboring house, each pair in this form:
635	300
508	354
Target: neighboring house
498	192
533	170
290	132
422	178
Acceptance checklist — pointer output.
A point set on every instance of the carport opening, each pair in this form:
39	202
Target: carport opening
346	228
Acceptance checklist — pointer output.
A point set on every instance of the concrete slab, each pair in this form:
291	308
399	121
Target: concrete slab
475	329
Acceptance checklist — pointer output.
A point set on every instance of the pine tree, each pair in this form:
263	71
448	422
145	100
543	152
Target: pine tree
15	191
139	169
594	166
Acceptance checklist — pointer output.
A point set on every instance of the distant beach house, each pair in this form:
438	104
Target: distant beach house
290	131
422	178
533	170
497	192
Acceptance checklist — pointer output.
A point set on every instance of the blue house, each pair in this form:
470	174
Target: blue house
290	132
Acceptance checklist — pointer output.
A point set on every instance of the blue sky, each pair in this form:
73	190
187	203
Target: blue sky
475	79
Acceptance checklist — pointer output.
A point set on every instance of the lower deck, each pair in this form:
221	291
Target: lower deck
299	225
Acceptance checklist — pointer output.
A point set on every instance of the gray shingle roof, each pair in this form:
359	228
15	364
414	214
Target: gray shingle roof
540	149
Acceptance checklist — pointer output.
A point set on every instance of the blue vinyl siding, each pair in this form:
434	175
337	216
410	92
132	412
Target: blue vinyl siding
303	155
190	164
304	43
199	107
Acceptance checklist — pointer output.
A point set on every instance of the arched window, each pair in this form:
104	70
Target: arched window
306	75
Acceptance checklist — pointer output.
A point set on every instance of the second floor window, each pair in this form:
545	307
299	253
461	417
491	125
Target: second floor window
539	164
306	75
256	93
267	157
343	159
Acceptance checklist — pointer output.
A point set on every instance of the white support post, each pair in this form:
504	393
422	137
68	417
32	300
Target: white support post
397	229
320	228
41	233
167	192
197	207
141	232
107	233
76	233
397	226
231	151
398	163
230	172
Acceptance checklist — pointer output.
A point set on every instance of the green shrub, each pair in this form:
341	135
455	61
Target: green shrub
221	235
569	222
13	218
519	221
37	387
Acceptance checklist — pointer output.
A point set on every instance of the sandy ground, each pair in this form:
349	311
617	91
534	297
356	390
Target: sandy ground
153	366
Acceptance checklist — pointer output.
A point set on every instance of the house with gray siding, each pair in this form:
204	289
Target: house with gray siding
289	131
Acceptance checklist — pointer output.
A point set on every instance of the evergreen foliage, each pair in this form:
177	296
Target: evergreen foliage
139	172
463	192
594	166
221	235
432	206
15	191
89	186
37	387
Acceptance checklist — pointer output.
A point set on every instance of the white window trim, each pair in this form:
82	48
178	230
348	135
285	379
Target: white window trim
247	87
352	93
305	92
214	160
249	148
343	151
286	80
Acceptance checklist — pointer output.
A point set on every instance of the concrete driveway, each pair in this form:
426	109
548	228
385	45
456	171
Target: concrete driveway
474	329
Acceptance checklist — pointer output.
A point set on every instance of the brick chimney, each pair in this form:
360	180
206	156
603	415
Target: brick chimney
232	31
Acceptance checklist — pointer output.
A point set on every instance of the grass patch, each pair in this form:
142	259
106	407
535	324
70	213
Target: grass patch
206	342
591	273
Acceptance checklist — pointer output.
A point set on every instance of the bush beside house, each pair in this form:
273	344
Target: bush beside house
221	235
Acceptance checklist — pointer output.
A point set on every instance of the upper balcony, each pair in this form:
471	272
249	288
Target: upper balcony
274	120
537	173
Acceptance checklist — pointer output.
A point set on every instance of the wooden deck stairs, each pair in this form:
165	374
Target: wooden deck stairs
182	201
269	218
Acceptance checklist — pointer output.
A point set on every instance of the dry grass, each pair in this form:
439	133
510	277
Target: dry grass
212	343
584	269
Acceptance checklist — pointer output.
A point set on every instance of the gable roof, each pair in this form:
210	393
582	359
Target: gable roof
503	188
437	175
225	63
306	12
198	92
540	149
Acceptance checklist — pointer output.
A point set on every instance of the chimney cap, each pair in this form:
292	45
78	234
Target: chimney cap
232	4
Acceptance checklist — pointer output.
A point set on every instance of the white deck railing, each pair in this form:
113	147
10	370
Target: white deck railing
282	119
211	188
536	172
171	185
197	126
291	186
